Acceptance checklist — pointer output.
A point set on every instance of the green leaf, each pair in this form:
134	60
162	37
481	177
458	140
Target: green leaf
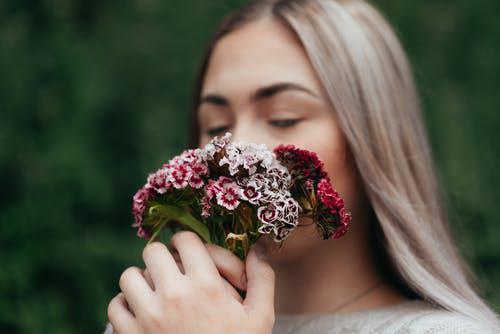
183	216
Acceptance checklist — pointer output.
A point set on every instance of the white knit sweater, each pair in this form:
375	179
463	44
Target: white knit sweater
410	317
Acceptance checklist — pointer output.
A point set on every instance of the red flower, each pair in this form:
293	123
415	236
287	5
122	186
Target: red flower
333	205
300	162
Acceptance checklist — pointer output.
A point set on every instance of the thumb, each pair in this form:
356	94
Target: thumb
260	282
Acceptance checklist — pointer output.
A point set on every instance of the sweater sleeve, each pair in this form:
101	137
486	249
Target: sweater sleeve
109	329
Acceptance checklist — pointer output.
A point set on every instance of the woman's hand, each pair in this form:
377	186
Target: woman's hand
194	296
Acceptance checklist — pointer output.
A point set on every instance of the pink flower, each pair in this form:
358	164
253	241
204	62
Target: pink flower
200	168
143	233
195	181
213	187
180	176
205	206
139	205
228	196
159	180
225	190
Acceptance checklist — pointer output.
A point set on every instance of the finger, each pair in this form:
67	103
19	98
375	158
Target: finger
194	255
120	317
177	258
260	286
229	265
137	291
229	286
232	291
160	264
148	278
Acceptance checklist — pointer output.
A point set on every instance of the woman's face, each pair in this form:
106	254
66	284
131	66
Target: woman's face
261	87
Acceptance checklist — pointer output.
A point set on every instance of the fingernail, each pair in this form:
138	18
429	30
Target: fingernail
260	251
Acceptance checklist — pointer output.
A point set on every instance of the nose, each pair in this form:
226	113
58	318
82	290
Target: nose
253	132
247	129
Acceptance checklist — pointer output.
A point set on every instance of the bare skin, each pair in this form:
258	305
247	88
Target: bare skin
183	285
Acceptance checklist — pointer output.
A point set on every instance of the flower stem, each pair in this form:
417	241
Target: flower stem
183	216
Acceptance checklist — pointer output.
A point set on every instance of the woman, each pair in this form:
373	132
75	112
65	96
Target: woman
329	76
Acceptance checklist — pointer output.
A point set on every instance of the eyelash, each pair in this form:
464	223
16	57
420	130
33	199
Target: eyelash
214	131
288	123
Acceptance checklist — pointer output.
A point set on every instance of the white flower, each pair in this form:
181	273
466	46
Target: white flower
209	150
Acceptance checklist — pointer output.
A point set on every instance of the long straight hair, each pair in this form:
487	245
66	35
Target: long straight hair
366	75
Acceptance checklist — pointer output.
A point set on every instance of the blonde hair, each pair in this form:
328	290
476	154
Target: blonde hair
368	81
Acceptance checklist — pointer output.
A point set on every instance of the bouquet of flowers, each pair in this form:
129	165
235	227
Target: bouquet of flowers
233	193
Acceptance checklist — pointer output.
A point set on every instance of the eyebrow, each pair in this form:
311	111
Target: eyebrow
260	94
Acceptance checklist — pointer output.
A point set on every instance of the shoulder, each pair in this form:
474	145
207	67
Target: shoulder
436	321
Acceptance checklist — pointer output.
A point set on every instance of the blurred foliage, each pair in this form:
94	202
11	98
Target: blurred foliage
94	94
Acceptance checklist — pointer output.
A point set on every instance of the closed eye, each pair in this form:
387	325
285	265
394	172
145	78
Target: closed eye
217	130
284	122
281	123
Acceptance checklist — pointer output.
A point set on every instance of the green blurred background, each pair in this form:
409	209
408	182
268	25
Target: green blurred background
94	95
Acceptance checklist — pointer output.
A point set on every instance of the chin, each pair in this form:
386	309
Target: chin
300	243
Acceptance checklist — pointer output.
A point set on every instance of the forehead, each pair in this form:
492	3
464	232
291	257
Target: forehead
257	54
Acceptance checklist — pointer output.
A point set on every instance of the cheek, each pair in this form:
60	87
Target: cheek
342	174
341	169
324	137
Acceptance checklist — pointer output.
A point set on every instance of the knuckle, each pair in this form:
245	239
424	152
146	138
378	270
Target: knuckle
209	288
174	296
207	284
154	316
